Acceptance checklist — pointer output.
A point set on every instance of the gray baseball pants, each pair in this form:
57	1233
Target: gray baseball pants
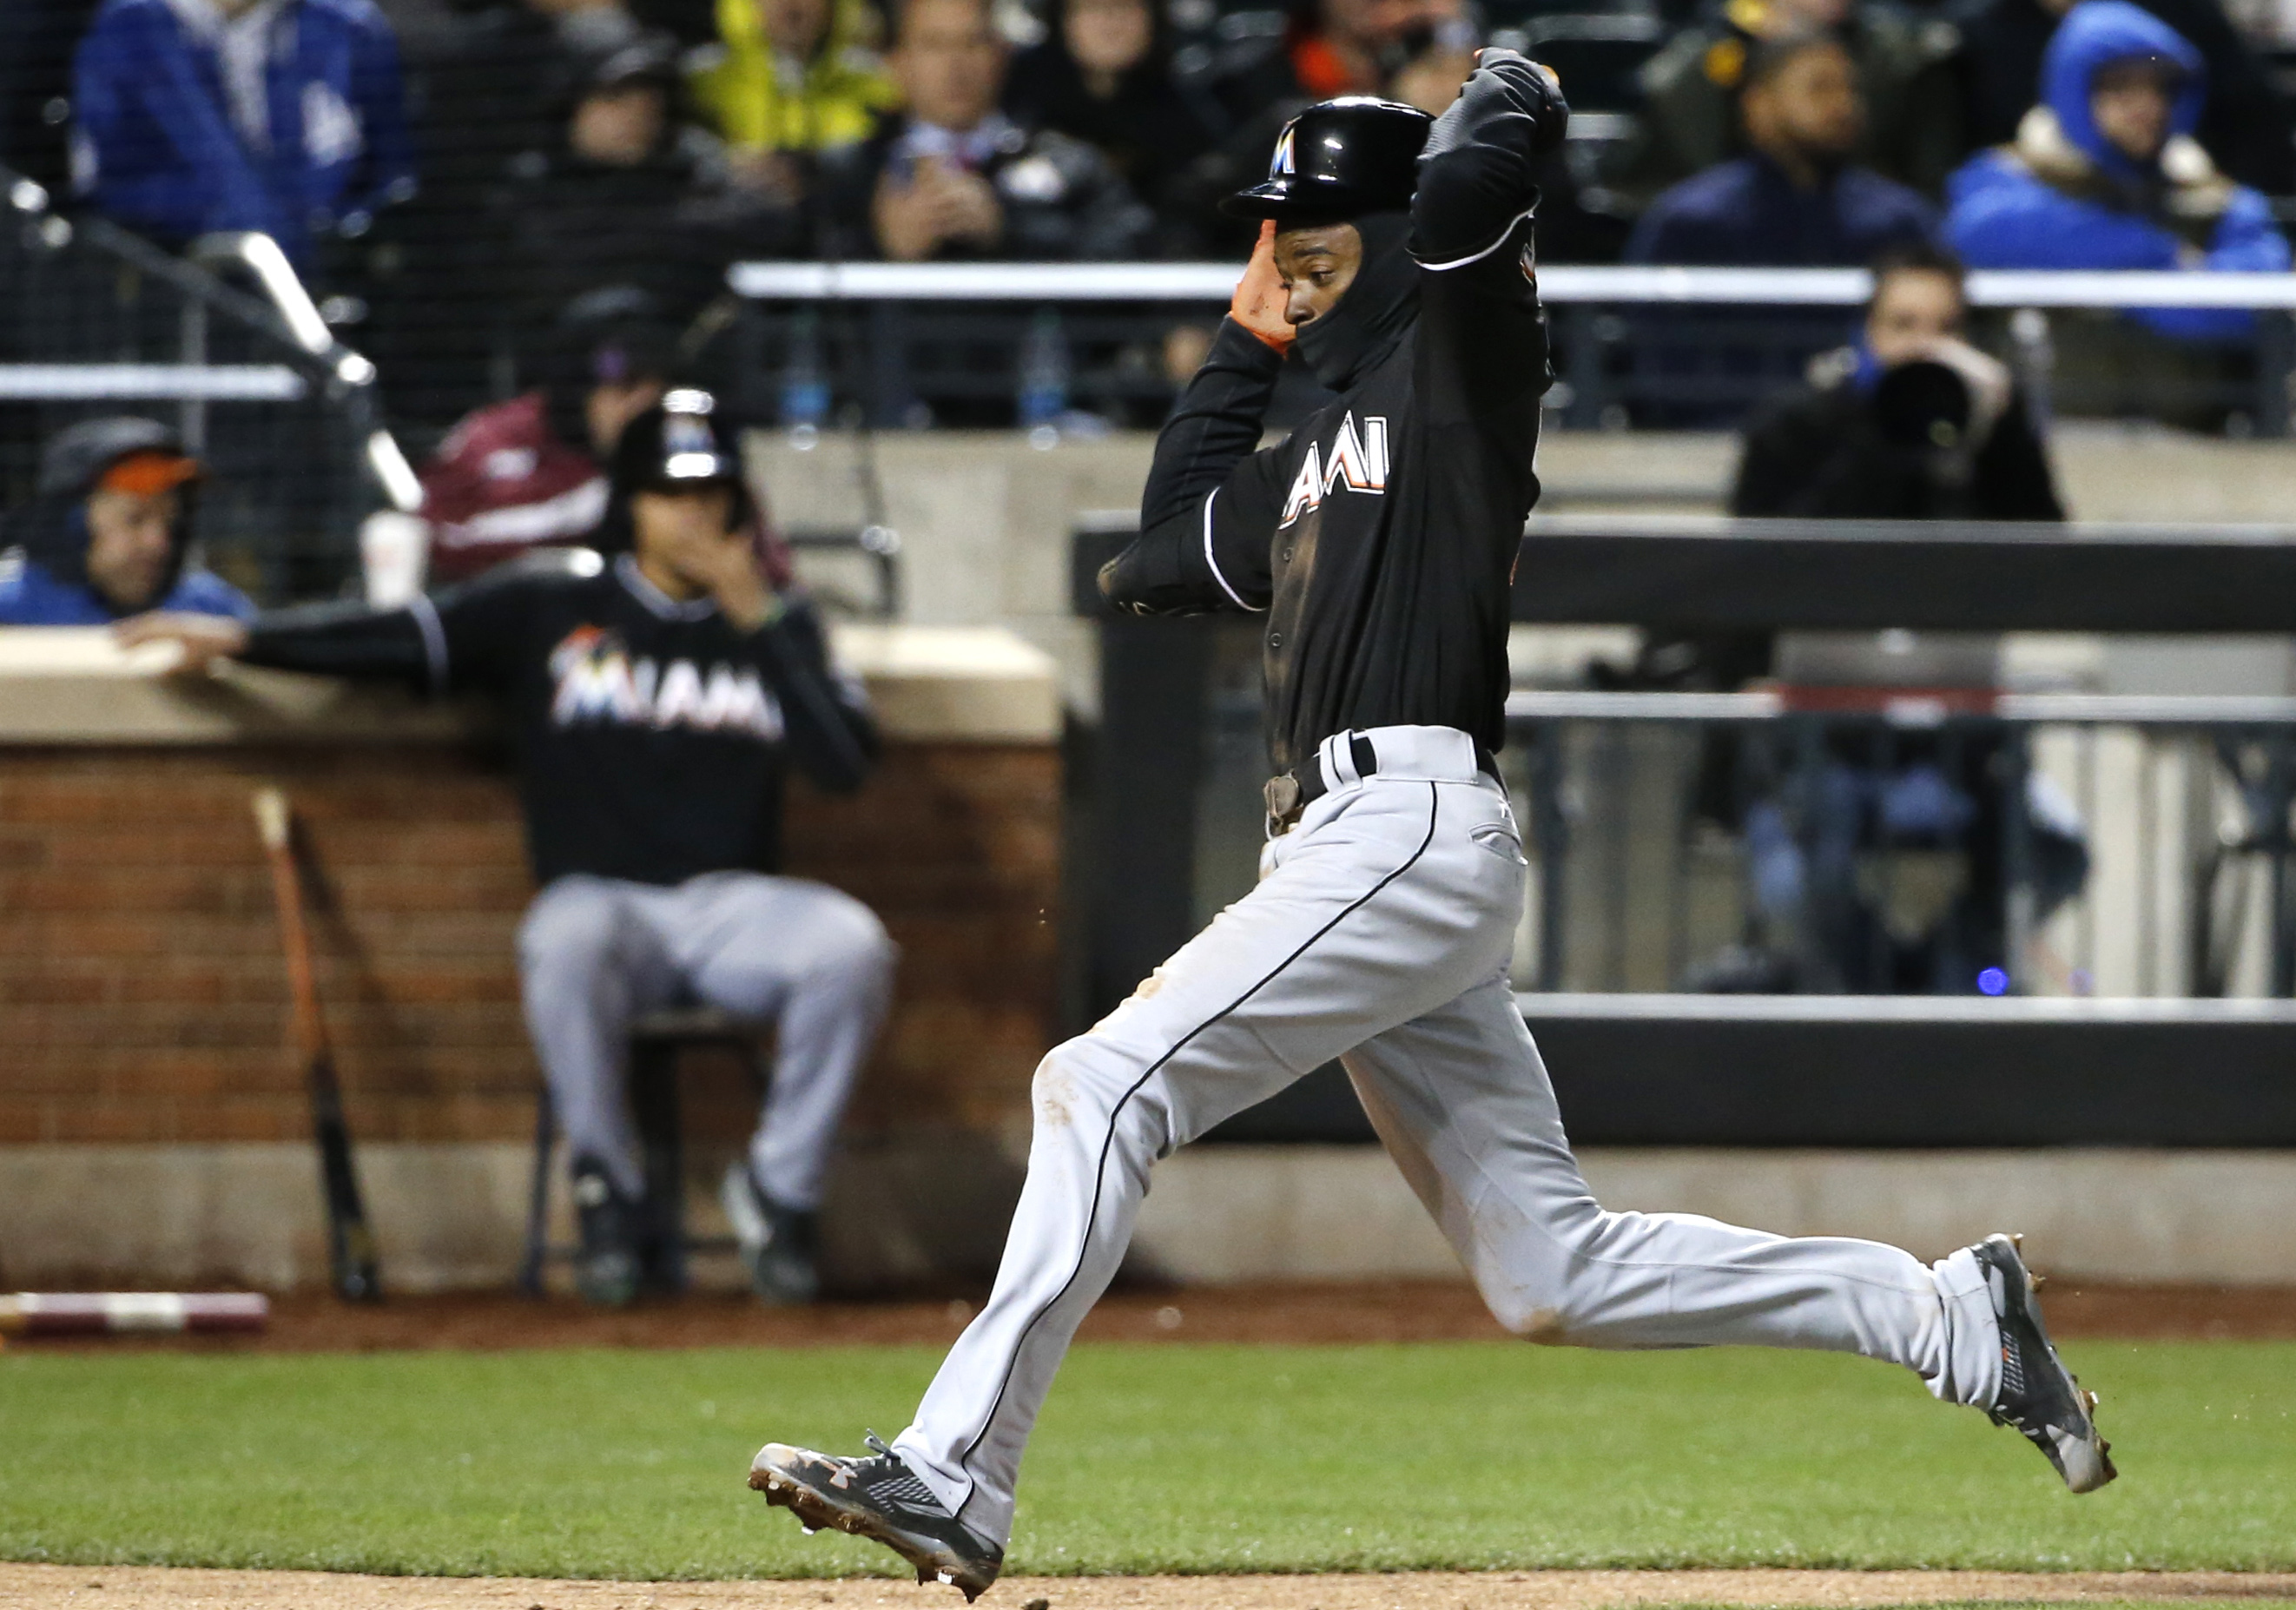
594	953
1380	934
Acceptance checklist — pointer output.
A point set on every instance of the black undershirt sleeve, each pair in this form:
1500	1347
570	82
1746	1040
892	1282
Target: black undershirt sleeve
343	640
462	638
1482	349
1478	172
1200	544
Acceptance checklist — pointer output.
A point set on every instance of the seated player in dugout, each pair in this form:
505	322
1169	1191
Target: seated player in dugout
108	532
655	696
1377	544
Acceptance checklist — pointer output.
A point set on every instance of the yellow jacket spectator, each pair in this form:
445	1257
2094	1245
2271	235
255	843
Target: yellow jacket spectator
793	75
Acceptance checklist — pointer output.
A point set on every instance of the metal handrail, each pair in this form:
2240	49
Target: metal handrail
2052	710
150	382
285	312
1557	283
1991	1010
261	256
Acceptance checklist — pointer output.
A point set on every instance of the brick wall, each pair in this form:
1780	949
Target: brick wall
143	996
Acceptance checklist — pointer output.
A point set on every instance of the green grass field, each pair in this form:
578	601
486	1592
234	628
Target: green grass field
1150	1459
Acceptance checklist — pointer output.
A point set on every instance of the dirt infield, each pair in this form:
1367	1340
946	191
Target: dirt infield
147	1588
1388	1311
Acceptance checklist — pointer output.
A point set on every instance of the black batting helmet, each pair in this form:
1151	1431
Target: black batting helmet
1340	159
682	443
677	445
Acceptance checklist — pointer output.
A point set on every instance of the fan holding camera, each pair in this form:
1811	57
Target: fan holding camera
1912	422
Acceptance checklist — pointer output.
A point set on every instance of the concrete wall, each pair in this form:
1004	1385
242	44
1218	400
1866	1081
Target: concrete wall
916	1208
984	519
1232	1213
922	1205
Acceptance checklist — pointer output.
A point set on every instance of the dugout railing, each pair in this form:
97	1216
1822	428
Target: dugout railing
905	343
225	343
2151	1005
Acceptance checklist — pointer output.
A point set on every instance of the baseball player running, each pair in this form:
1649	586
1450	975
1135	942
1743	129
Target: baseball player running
1378	542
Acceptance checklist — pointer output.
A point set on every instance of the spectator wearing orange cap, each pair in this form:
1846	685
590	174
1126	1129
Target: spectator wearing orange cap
107	533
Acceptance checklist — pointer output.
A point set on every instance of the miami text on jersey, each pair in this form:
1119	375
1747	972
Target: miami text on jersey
598	681
1358	462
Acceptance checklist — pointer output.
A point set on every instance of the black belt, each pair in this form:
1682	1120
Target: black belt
1288	793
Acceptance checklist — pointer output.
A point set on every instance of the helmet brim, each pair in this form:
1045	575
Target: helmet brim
1295	202
692	472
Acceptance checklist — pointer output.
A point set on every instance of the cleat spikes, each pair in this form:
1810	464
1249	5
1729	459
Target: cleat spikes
877	1498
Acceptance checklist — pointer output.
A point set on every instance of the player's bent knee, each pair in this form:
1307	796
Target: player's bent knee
1081	1083
1547	1290
855	946
569	939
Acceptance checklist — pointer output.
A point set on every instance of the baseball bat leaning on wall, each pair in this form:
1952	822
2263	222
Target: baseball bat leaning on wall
350	1244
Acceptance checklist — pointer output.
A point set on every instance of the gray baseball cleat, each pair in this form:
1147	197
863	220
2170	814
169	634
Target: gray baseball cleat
2039	1397
878	1497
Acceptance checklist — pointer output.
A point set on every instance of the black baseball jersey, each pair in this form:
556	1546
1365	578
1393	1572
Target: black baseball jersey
1380	540
652	734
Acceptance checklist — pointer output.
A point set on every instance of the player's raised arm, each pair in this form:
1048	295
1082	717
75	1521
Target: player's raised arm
1482	343
1185	561
1478	174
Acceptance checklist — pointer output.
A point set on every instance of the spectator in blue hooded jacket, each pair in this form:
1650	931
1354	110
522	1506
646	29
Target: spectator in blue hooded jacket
286	117
108	532
2105	173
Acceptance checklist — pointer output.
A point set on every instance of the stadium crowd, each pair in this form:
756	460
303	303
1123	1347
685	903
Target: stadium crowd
458	173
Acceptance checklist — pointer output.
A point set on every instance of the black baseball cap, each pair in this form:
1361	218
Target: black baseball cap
1340	159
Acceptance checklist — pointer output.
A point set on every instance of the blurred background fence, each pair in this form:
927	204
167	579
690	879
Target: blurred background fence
903	343
224	344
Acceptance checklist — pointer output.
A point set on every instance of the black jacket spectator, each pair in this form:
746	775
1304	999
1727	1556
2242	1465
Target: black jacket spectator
627	197
1909	423
2248	127
1836	448
955	177
488	87
1056	198
1103	75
